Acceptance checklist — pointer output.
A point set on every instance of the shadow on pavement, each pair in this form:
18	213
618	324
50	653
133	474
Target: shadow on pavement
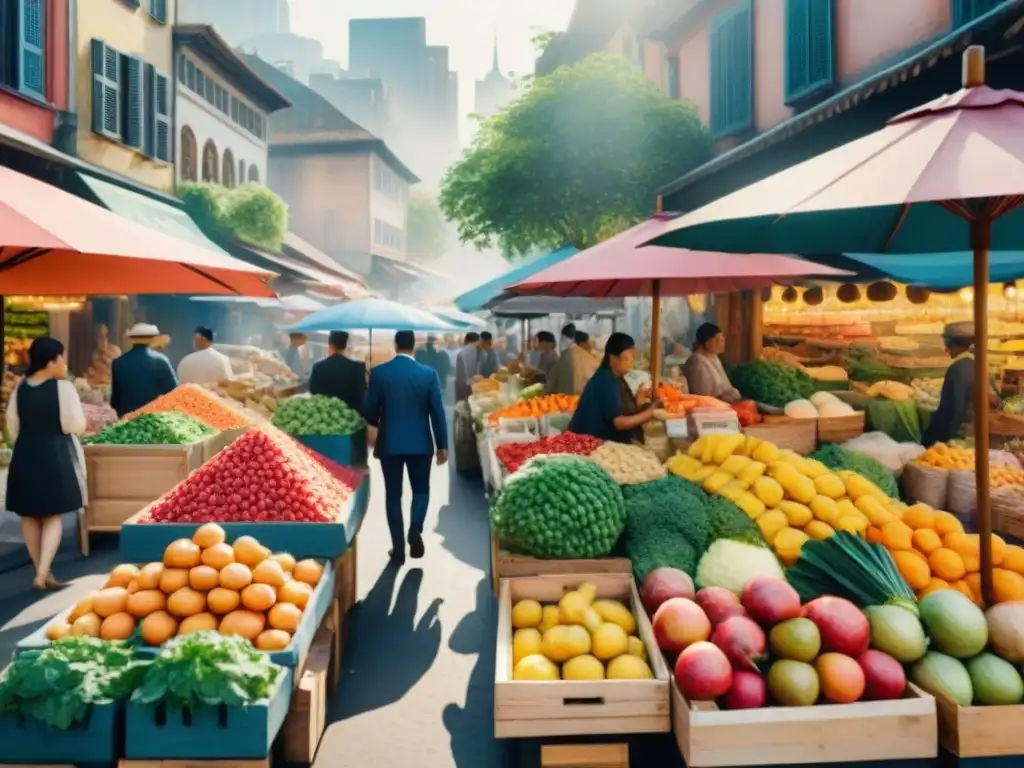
466	536
471	726
387	646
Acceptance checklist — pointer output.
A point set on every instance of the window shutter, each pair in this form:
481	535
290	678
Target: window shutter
135	107
158	10
106	82
810	48
32	44
162	108
821	58
741	76
719	49
798	15
149	110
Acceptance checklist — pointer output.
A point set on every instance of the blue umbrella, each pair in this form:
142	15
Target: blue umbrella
370	314
457	318
474	300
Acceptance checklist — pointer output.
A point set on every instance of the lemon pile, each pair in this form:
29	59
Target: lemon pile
591	639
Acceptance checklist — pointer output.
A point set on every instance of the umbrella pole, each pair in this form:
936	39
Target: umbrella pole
655	335
369	354
981	233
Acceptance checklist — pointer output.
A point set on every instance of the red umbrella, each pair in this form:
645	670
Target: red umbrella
52	242
932	180
618	268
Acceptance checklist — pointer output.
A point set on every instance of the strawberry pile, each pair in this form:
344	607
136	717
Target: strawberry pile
514	455
263	476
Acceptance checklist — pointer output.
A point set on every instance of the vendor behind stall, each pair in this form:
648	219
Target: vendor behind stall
705	374
608	408
957	397
141	374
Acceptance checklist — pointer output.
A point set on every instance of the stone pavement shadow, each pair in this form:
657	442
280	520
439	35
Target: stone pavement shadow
387	651
471	726
463	523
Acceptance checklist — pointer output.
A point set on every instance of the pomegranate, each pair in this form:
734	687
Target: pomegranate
884	677
748	691
703	673
742	641
843	628
769	600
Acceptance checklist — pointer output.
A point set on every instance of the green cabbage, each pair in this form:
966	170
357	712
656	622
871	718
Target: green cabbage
731	564
666	526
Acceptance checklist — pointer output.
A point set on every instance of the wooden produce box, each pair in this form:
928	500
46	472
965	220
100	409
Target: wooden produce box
537	709
970	732
839	429
799	435
902	729
508	565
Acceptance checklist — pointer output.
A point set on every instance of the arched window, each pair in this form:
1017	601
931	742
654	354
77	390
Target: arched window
189	158
241	171
227	177
211	166
254	175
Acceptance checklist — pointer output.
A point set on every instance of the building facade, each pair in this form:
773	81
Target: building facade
364	99
221	120
495	91
35	69
238	20
125	88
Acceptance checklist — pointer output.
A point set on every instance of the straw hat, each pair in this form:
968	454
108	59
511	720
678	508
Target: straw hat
143	331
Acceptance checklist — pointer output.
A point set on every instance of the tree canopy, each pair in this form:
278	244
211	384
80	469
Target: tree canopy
251	213
578	157
426	228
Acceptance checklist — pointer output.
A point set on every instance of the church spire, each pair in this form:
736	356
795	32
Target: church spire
494	65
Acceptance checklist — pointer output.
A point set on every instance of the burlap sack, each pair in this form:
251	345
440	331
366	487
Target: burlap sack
927	485
1007	505
962	497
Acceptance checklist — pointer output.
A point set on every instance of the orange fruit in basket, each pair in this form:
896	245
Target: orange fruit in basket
145	602
285	616
186	602
221	600
235	576
258	597
173	579
203	578
86	626
149	576
218	556
58	630
285	560
122	575
308	571
118	626
268	572
198	623
157	628
109	601
272	640
81	608
209	535
183	553
248	624
249	552
295	592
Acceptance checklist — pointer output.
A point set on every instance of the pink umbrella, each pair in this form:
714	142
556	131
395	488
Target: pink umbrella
618	267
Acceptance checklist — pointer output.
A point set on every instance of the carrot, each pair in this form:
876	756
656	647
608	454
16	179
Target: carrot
199	403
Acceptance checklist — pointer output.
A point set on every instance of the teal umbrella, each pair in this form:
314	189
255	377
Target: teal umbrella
946	175
474	300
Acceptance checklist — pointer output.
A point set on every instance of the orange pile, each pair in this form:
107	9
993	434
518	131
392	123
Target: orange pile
198	403
535	408
203	583
932	552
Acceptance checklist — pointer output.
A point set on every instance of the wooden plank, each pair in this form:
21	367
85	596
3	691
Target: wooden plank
261	763
862	732
971	732
531	709
506	565
307	717
584	756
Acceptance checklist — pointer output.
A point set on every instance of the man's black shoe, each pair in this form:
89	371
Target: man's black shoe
415	545
397	558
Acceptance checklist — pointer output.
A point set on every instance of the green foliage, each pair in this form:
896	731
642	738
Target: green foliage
252	213
578	156
772	383
426	234
666	526
730	522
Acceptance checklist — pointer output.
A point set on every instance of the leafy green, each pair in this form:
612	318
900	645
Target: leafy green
666	526
316	415
208	668
838	458
169	428
559	506
730	522
59	685
251	213
772	383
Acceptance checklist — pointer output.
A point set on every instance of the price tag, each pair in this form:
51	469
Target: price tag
715	424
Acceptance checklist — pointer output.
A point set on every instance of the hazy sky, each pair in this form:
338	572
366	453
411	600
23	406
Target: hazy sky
467	27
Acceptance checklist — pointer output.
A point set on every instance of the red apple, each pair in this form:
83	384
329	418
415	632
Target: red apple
719	604
678	624
663	584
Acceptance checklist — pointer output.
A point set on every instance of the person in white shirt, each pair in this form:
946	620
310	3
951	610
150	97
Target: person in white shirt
206	365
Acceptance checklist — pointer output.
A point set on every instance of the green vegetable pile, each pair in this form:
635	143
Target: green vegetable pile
208	669
170	428
838	458
59	685
730	522
559	507
316	415
666	525
532	391
771	383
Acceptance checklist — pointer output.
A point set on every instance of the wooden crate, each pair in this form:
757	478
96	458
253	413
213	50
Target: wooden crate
838	733
533	709
307	718
261	763
799	435
970	732
506	565
584	756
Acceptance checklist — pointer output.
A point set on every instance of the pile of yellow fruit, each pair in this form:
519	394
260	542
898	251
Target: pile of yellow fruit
943	456
792	498
202	583
580	638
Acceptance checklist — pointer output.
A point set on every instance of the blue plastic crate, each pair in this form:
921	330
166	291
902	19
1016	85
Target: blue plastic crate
146	542
312	617
97	740
347	450
159	732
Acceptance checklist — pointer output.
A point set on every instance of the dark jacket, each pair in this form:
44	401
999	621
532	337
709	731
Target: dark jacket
955	403
341	377
438	360
138	377
404	401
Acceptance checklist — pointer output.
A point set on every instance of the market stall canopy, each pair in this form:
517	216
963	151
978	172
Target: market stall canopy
455	317
52	242
290	303
371	314
618	267
509	304
479	297
941	271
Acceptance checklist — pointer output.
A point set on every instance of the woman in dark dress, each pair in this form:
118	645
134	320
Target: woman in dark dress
607	409
46	478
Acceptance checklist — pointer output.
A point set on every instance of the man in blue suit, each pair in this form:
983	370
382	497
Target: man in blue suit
404	403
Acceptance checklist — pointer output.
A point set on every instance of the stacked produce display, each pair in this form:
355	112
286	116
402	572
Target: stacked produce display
169	428
316	415
535	408
195	401
513	455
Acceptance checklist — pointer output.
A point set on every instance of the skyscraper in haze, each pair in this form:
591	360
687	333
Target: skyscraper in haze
238	20
495	90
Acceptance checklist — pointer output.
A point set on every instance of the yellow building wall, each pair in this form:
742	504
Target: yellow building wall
129	30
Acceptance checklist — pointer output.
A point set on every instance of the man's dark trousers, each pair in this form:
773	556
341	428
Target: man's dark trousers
394	469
